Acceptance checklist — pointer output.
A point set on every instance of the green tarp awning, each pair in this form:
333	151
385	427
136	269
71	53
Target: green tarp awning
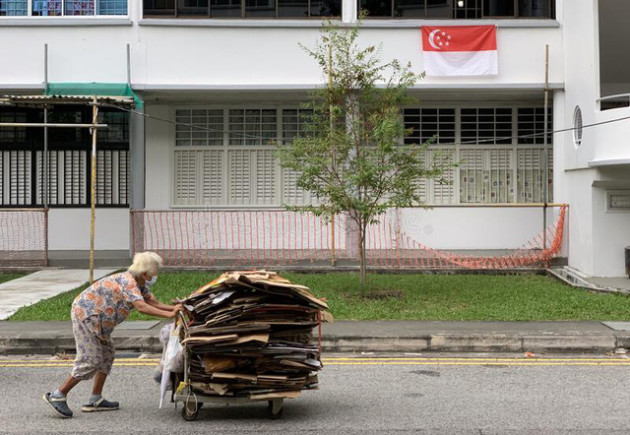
99	89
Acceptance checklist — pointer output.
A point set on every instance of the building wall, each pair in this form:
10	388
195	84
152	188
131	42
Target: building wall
70	229
596	237
204	53
199	54
440	228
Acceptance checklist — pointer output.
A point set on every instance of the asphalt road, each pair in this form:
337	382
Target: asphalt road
399	396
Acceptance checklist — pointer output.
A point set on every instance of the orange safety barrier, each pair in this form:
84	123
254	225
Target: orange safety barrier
412	254
23	238
235	238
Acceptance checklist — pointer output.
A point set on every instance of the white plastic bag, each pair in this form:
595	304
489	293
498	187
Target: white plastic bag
173	357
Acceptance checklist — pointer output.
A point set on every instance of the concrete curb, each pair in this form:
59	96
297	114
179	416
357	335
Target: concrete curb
477	343
27	344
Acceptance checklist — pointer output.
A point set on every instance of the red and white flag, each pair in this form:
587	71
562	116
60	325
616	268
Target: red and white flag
460	50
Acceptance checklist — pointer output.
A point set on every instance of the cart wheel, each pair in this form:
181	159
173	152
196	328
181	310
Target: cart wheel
274	409
190	411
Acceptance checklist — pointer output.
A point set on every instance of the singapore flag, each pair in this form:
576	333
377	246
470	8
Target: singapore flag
460	50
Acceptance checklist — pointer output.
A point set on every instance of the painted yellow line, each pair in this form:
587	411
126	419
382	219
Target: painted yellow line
69	361
70	365
470	359
462	363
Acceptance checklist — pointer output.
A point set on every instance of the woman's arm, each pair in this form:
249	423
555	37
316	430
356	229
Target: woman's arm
152	300
145	308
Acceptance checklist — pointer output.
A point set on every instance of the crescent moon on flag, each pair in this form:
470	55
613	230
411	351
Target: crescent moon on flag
432	39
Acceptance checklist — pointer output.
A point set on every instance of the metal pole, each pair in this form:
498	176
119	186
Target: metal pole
128	65
53	125
45	159
93	187
546	151
333	160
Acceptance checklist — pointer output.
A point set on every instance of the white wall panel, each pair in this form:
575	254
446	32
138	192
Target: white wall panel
70	229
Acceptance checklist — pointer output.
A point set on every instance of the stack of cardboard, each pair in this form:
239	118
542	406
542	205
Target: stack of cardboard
251	335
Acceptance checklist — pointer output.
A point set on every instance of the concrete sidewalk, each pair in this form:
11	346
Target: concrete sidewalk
363	336
40	285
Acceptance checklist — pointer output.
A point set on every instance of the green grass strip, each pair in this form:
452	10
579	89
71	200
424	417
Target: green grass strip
406	297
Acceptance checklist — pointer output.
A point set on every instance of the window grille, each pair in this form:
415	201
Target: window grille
55	8
458	9
111	7
17	183
22	171
199	127
430	124
487	126
293	122
531	122
79	7
246	9
10	8
252	126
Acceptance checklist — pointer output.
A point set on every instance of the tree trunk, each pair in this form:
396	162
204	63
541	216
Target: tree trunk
362	259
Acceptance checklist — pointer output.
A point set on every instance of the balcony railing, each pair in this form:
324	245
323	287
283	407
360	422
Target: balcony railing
317	9
614	101
457	9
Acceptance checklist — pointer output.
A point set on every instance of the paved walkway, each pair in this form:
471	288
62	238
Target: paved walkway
44	284
363	336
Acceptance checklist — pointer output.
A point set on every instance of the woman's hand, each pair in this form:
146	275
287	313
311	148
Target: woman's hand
176	309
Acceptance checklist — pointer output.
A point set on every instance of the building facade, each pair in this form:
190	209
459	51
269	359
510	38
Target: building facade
223	80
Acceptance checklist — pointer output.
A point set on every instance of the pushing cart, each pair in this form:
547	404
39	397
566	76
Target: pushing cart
193	401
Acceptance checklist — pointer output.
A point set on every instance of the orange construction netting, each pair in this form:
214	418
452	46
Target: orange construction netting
238	238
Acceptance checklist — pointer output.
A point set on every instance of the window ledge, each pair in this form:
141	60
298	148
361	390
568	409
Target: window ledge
63	21
507	23
234	23
368	24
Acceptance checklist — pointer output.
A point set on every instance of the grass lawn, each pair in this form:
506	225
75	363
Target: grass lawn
406	297
8	276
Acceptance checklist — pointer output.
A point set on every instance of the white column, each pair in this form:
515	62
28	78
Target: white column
349	11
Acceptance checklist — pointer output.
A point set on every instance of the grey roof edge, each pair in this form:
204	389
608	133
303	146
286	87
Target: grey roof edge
22	87
307	87
611	184
367	24
608	162
63	22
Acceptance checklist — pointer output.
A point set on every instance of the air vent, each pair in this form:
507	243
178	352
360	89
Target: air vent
618	200
578	126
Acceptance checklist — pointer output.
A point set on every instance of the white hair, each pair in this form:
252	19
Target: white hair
145	262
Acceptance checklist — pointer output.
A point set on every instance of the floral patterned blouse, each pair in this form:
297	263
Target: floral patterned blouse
109	301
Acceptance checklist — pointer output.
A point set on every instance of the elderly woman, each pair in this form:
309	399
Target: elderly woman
95	313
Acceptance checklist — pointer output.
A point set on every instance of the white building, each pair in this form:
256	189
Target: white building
236	69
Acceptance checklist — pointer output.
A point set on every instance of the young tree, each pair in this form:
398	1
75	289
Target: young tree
349	153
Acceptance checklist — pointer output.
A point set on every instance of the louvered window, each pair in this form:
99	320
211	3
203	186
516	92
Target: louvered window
486	176
531	175
226	157
293	123
22	164
496	164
